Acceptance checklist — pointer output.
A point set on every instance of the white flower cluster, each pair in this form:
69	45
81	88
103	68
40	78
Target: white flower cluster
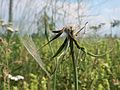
7	26
15	78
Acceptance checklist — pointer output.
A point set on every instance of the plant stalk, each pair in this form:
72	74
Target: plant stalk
74	65
10	11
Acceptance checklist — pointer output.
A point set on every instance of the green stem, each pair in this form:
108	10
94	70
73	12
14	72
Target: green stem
46	29
47	37
54	83
74	65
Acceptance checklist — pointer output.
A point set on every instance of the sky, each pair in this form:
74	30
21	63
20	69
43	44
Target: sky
102	11
98	11
93	12
108	10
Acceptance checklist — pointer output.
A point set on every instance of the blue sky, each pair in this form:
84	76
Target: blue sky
108	11
105	9
110	8
100	11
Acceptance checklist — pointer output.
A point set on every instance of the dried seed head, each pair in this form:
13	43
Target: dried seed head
5	42
9	50
5	71
18	62
1	41
71	28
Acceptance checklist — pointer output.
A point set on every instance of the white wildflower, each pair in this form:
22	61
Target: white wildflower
10	29
15	78
20	77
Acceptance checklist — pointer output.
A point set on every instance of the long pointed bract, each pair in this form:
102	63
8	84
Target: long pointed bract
55	37
83	49
81	29
61	47
58	31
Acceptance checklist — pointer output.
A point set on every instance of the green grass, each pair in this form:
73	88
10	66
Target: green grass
94	73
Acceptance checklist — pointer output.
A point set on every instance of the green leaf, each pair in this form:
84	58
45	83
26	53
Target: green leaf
84	50
61	47
99	55
94	55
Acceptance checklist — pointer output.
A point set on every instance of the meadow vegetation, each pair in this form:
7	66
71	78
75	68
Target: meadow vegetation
94	73
90	63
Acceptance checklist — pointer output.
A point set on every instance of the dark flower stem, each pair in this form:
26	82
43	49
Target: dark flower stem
74	63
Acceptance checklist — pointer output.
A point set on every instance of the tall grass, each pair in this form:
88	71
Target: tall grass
19	54
93	73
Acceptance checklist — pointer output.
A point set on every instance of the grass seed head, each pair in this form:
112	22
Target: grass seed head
1	41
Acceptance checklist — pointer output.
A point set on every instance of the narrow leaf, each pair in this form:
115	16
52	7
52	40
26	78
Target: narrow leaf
71	46
81	29
99	55
94	55
55	37
58	31
71	37
76	43
61	47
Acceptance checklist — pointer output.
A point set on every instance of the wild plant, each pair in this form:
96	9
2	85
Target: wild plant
70	41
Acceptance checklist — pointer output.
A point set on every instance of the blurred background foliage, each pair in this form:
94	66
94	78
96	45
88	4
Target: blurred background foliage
37	19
